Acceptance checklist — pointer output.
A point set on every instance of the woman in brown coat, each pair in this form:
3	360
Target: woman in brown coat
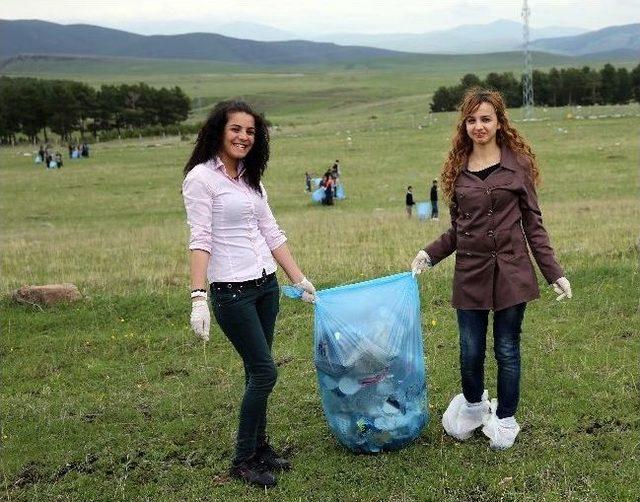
489	179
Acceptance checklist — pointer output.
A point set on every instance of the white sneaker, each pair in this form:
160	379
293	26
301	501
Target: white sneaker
461	419
501	432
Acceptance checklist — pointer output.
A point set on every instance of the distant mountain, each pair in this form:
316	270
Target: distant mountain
255	31
40	37
170	26
613	39
498	36
33	37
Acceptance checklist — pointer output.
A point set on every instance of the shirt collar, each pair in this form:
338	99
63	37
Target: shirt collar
218	165
507	160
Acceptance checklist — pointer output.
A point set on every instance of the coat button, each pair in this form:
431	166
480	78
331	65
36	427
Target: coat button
493	254
468	253
488	191
490	212
467	215
490	232
467	234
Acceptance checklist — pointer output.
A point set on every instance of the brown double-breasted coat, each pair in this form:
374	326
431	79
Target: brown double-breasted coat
492	221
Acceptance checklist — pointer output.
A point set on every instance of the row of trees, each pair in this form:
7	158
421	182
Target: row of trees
32	106
568	86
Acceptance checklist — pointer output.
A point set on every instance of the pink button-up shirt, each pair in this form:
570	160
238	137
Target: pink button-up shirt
228	219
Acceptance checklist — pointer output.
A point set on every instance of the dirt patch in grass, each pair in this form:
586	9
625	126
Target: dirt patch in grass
31	473
174	372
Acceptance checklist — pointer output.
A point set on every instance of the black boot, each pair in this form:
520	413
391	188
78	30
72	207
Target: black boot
271	459
253	472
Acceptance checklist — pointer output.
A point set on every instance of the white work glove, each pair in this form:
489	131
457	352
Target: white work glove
201	319
562	288
420	263
308	291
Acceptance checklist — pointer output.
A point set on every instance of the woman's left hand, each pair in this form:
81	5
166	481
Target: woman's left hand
308	291
562	288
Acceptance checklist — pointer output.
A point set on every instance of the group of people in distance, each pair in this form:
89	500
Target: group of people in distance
433	197
489	181
54	160
329	182
79	150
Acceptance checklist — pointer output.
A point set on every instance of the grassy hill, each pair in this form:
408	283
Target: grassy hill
613	39
114	398
41	37
293	94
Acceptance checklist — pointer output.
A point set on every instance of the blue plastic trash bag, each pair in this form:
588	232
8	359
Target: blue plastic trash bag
37	159
369	360
424	210
317	195
340	192
316	181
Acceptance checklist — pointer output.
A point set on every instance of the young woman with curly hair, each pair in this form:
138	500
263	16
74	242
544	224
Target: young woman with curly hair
234	244
489	180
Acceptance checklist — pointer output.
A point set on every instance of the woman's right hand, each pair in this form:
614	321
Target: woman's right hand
200	319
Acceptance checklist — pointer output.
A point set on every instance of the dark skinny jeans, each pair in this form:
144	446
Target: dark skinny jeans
247	316
507	324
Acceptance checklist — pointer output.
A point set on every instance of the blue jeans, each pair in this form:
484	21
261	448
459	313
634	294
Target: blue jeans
507	325
247	316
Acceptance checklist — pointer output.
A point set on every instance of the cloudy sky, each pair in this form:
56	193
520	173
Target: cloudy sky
319	16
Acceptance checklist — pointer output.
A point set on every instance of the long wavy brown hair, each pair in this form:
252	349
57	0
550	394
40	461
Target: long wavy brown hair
462	145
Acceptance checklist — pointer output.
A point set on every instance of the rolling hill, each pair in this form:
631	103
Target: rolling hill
497	36
612	40
44	38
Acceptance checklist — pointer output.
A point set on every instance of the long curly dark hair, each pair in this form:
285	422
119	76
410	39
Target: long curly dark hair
462	145
210	139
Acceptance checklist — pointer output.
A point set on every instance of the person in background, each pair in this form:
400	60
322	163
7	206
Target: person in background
234	245
328	185
41	153
489	179
58	159
434	200
335	178
409	202
307	180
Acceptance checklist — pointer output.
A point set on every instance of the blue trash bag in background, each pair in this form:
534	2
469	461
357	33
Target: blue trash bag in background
340	192
424	210
317	195
369	360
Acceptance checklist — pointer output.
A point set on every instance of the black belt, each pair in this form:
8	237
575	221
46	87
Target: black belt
251	282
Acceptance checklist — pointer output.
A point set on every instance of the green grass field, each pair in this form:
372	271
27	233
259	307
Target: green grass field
113	398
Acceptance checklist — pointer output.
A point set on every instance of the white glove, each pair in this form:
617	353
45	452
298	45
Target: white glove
562	288
308	291
200	319
420	263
